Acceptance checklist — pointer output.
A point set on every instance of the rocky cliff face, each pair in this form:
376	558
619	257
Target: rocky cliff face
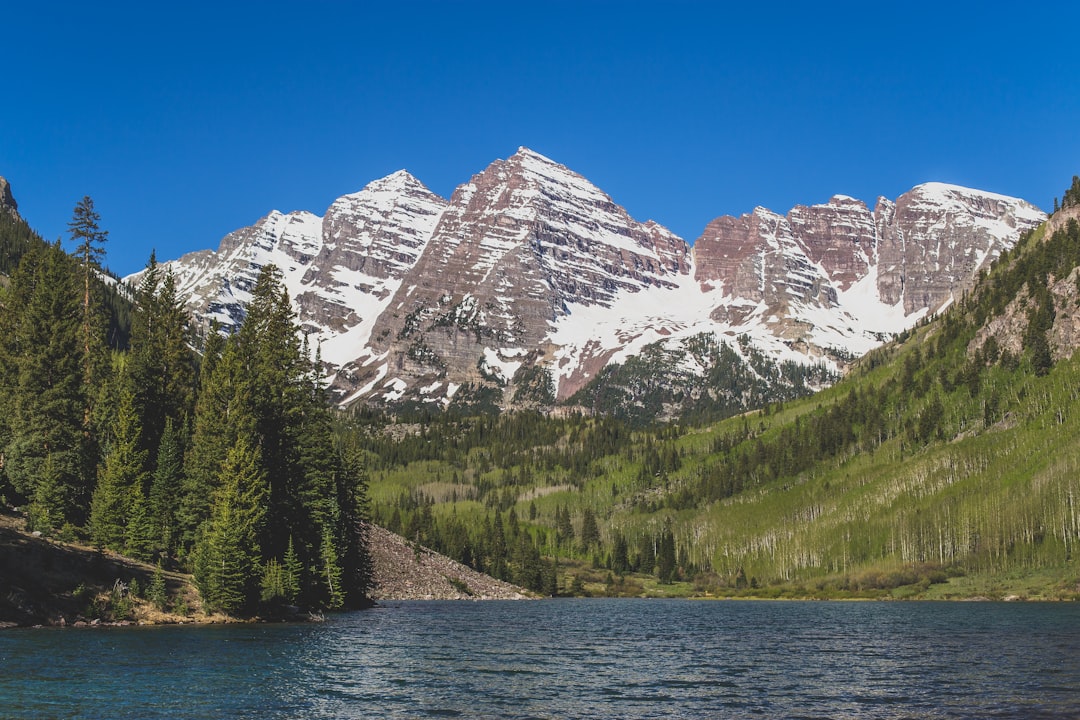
827	275
938	236
1008	329
7	200
530	280
516	248
757	258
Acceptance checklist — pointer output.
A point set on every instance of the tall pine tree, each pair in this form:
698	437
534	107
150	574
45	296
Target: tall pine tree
43	394
89	241
121	484
228	558
162	363
165	489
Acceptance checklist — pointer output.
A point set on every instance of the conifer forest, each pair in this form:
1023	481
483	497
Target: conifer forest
212	455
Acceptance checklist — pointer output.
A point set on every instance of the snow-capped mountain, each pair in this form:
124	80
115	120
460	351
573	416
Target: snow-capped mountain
531	276
341	269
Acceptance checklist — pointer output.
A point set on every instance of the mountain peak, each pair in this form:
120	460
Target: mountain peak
524	152
946	191
396	181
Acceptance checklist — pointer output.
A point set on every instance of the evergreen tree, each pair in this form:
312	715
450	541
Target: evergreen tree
42	391
274	382
620	562
89	241
157	592
1072	195
273	583
292	572
140	538
162	364
228	565
528	566
165	489
590	533
50	498
331	570
497	548
646	557
563	528
551	578
218	420
352	499
122	479
260	387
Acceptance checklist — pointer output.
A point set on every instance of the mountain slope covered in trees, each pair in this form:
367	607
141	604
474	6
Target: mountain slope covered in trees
946	463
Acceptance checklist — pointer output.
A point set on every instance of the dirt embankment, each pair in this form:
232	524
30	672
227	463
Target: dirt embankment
48	582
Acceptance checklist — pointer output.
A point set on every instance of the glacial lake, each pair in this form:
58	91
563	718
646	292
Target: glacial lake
566	659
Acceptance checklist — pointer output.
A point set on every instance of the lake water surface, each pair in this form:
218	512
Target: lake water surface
567	659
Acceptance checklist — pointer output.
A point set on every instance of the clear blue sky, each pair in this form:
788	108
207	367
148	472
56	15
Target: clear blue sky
185	121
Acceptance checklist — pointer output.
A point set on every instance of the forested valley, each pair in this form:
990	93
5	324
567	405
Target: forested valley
944	465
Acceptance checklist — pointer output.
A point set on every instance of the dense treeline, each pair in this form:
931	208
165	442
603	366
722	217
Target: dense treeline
16	237
1072	195
487	466
226	463
657	383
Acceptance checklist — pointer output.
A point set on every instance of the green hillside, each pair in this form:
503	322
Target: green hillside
944	464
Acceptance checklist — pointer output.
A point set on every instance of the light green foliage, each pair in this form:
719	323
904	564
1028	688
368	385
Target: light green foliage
272	586
331	570
292	571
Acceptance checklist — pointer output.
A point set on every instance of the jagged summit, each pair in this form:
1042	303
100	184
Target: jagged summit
529	277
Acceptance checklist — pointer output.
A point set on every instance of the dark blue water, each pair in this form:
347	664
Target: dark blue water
567	659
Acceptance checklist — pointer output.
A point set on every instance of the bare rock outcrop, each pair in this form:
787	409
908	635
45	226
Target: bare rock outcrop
7	200
1008	329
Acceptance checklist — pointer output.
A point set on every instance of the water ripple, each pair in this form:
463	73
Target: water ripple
567	659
